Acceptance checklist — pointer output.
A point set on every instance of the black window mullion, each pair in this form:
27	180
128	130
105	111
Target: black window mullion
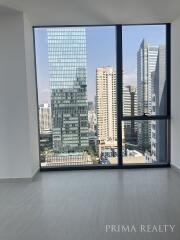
168	79
119	91
168	68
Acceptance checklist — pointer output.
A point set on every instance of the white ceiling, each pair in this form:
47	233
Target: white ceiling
74	12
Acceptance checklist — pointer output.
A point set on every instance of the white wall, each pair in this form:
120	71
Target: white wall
31	92
175	93
19	153
18	116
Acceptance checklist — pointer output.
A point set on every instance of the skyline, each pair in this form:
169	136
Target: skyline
101	51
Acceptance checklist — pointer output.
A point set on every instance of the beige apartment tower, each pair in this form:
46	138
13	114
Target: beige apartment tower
106	107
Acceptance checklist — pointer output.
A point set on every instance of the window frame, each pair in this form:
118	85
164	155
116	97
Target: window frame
120	117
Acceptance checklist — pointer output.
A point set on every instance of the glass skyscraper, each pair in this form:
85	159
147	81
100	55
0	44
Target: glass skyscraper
146	64
67	74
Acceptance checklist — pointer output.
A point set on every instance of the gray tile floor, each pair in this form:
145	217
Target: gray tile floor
77	205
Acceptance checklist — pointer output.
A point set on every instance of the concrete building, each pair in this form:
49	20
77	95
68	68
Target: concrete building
92	121
129	100
130	109
106	106
45	118
90	105
159	103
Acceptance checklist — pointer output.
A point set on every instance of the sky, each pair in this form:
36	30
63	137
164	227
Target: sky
101	51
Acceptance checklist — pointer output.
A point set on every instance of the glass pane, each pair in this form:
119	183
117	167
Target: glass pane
144	70
144	141
76	77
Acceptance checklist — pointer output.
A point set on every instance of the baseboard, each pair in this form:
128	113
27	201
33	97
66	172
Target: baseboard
29	179
35	173
175	168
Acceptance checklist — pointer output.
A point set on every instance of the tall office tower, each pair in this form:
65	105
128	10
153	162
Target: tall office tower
130	109
67	71
159	89
90	106
106	105
44	118
146	64
92	121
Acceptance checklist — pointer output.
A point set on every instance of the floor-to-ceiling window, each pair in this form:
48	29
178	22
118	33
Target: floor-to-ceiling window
145	94
103	95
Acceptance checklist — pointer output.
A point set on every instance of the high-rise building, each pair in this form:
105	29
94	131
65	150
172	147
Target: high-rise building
129	100
159	90
92	121
106	106
159	87
67	71
90	106
44	118
146	64
130	109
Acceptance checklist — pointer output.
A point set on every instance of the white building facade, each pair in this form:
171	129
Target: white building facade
45	118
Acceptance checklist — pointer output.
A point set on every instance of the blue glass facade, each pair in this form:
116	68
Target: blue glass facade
67	74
